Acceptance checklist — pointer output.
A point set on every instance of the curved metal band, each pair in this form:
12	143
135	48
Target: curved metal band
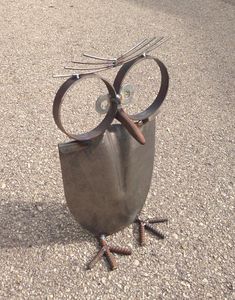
152	109
97	131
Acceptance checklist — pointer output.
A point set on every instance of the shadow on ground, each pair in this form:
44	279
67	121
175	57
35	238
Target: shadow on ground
26	224
177	8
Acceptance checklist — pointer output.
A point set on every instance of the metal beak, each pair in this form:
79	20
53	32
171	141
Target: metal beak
133	129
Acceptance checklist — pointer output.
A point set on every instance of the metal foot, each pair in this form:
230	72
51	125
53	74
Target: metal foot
147	225
107	252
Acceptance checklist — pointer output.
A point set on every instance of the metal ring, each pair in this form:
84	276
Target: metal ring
152	109
97	131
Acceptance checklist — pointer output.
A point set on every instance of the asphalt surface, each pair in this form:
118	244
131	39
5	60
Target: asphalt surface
43	250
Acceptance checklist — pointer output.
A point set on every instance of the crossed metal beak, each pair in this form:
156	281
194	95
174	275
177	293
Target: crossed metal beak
132	128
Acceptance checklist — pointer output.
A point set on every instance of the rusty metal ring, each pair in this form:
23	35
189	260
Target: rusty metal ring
152	109
97	131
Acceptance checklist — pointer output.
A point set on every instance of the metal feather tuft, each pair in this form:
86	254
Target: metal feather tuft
100	64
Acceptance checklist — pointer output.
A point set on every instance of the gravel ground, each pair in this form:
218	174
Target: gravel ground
43	250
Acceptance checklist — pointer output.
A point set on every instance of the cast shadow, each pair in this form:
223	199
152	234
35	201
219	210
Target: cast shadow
182	8
27	225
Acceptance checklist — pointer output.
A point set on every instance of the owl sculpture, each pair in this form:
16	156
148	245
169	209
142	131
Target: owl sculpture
107	171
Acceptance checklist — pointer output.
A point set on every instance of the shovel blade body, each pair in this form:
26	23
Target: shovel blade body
106	182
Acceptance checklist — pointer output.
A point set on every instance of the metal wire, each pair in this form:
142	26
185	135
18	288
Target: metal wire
98	58
157	45
145	52
89	69
143	47
133	48
137	50
90	63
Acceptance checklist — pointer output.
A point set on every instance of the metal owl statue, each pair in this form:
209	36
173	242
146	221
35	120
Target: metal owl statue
107	171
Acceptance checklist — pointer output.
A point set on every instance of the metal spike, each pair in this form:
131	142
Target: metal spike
99	58
130	50
145	52
95	260
156	46
111	259
142	233
63	75
89	69
90	63
157	220
140	49
154	231
120	250
84	73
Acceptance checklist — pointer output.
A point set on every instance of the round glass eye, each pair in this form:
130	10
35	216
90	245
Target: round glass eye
126	93
102	104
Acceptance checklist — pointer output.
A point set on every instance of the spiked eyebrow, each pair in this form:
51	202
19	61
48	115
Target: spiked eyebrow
87	69
147	50
89	63
162	41
133	48
101	63
98	58
137	49
108	61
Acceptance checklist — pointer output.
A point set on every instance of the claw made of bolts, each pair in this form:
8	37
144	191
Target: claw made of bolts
108	251
147	225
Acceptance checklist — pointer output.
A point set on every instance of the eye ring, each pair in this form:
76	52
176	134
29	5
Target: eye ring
102	126
152	109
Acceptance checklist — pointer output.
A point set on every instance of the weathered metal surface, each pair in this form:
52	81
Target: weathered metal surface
106	182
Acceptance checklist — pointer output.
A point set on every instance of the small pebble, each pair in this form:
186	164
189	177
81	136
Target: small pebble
136	263
209	295
39	208
205	281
